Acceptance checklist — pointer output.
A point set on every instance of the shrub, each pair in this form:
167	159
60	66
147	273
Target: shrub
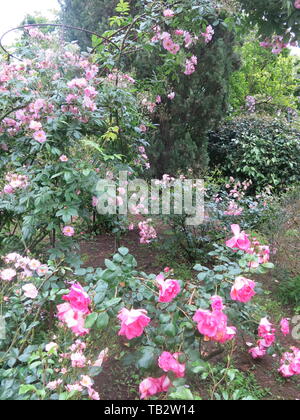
257	148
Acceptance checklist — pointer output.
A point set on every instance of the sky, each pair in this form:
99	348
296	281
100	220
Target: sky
13	12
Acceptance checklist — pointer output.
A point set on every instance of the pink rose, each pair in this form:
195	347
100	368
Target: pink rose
243	290
285	326
63	158
168	13
133	322
240	240
257	352
8	274
68	231
40	136
30	291
169	362
78	299
149	387
168	289
217	303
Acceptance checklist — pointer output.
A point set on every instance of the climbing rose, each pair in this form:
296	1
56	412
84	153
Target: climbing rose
240	240
78	298
168	289
243	290
133	322
169	362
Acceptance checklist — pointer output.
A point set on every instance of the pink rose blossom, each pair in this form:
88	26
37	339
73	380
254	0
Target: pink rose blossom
8	274
40	136
168	289
133	322
240	240
68	231
169	362
168	13
285	326
30	291
78	299
243	290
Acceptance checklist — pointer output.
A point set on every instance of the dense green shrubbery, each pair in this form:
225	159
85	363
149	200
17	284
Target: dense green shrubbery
263	149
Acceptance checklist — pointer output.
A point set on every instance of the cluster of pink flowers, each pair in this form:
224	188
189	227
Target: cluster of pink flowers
168	289
297	4
241	241
168	362
133	322
24	267
190	65
277	44
77	361
147	231
233	209
243	290
37	34
267	339
74	312
120	79
214	324
143	157
250	104
14	182
290	362
208	34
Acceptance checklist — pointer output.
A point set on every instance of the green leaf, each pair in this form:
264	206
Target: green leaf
90	320
102	321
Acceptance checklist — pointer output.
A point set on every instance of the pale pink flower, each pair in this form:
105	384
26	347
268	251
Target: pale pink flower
86	381
51	346
7	274
34	125
257	352
168	13
40	136
30	291
63	158
68	231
